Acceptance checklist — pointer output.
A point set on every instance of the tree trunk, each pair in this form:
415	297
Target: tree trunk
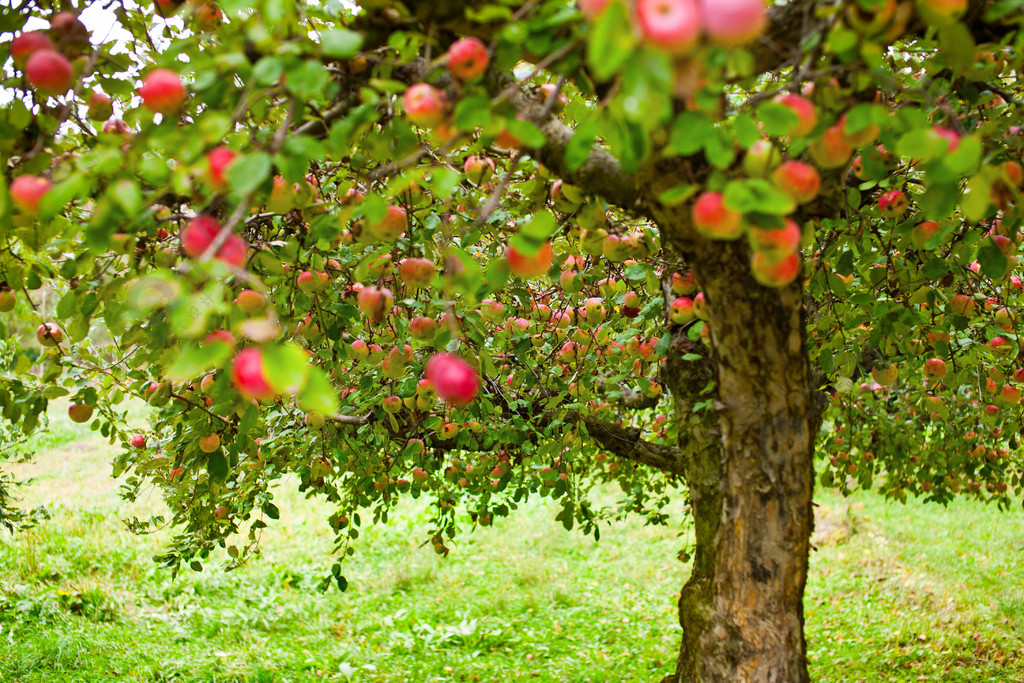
742	609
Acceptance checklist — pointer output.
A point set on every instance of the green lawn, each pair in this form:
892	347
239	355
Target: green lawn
897	593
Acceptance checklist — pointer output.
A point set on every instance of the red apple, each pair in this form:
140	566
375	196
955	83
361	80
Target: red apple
672	25
249	376
530	266
733	22
391	227
416	272
49	72
424	104
592	8
217	161
681	311
80	412
27	191
139	441
893	204
454	380
49	334
162	92
799	180
375	303
26	43
935	368
831	150
468	58
775	273
776	244
221	337
806	114
69	34
713	219
199	234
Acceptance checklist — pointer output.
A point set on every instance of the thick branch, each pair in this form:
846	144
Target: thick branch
625	442
600	174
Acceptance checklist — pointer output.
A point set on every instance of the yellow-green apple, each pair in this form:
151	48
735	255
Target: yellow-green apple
250	301
7	300
760	159
935	368
422	328
922	232
391	226
885	374
941	12
99	107
209	443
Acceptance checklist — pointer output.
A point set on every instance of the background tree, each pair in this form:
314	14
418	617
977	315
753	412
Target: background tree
473	252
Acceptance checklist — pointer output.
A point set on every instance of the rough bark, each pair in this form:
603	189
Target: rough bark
742	609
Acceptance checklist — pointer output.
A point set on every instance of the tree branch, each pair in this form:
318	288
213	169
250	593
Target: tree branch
625	442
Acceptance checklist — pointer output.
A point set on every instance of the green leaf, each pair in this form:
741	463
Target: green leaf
217	466
958	47
758	196
341	43
976	199
993	261
191	360
689	132
248	172
287	367
581	144
318	394
611	41
777	119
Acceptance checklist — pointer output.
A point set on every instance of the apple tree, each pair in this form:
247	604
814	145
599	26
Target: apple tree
473	252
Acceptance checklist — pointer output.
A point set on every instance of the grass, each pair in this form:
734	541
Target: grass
896	593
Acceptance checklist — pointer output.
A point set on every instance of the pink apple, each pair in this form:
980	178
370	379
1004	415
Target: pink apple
454	380
733	22
416	273
27	191
249	376
935	368
478	169
391	226
375	303
672	25
424	105
831	150
199	234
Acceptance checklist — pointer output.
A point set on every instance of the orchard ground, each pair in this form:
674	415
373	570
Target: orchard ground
896	593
